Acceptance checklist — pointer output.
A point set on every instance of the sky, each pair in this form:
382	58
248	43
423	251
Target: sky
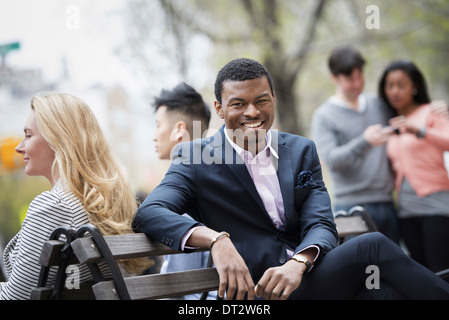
84	33
84	36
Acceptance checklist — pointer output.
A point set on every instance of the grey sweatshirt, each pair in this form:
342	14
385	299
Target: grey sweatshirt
359	172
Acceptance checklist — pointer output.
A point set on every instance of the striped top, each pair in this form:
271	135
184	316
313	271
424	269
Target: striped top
49	210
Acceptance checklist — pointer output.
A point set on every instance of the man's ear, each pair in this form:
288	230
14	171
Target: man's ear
333	78
219	109
179	129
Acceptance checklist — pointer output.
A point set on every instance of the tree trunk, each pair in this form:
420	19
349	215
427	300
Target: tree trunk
286	101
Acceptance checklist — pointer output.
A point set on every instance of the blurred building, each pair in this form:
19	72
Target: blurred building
126	121
16	88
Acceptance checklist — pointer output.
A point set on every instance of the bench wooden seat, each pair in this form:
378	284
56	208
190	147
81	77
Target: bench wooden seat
159	286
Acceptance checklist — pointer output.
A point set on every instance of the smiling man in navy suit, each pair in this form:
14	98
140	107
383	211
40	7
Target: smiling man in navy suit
260	203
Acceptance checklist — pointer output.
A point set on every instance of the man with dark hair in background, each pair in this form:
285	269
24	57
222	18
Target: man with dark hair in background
350	134
181	115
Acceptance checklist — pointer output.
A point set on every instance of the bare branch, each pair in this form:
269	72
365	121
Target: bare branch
304	47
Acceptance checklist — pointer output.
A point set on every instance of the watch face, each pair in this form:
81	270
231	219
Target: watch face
304	260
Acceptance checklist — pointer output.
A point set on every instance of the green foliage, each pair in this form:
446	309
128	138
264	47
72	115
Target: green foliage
17	191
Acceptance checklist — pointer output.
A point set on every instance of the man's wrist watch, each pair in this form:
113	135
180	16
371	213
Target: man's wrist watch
301	259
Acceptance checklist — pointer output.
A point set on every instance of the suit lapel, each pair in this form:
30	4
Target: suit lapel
224	152
285	175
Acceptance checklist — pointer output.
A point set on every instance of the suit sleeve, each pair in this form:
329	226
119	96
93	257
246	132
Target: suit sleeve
160	215
315	213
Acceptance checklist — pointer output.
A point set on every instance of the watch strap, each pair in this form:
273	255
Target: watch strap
304	260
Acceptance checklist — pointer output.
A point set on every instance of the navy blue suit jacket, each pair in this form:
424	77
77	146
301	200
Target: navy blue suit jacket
208	180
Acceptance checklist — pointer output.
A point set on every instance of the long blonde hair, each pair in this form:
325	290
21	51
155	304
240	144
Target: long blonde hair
86	163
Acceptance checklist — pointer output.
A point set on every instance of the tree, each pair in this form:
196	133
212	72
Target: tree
294	38
257	28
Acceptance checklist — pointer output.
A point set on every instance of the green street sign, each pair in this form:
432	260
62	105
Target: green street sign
5	48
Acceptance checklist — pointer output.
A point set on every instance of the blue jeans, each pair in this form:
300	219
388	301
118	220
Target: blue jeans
383	214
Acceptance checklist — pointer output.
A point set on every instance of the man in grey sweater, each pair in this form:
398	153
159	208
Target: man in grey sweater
350	134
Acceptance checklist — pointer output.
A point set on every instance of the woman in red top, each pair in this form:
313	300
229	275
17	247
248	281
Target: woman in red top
416	155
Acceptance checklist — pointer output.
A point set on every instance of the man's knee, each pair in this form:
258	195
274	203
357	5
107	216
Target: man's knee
378	246
368	242
375	237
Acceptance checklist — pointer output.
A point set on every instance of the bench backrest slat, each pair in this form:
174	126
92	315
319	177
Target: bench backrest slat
126	246
50	253
347	226
51	250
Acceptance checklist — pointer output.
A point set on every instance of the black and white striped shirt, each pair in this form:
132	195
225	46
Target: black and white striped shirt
49	210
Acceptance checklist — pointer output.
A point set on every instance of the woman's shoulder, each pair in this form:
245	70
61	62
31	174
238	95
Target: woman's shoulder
58	205
49	201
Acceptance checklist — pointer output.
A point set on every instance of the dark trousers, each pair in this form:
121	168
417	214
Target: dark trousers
427	239
342	273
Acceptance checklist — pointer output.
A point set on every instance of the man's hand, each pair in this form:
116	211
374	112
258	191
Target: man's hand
377	135
279	282
234	275
232	270
403	125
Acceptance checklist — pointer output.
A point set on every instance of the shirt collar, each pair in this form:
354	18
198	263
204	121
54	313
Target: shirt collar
269	150
361	103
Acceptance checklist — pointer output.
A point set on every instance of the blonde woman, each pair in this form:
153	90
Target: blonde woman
64	143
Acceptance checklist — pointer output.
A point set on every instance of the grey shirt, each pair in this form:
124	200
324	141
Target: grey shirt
360	173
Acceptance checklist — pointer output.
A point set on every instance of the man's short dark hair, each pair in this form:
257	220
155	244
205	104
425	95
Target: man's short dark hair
241	69
344	60
186	101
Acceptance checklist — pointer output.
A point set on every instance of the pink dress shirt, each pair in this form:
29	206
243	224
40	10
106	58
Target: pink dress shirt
263	172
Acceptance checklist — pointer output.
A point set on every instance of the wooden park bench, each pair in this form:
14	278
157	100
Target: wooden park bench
355	222
95	248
